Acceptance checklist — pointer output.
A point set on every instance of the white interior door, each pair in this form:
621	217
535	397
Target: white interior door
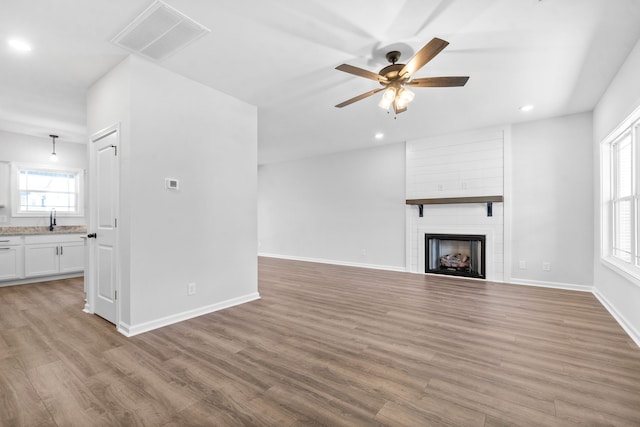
104	208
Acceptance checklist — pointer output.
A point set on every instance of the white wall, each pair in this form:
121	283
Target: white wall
203	233
619	294
345	208
552	201
20	148
313	208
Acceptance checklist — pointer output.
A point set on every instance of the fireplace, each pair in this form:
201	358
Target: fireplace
455	254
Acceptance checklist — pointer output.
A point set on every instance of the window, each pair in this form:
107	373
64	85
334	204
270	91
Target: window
620	219
38	190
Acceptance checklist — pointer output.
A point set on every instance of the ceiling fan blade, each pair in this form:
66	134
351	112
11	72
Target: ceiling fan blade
360	72
359	97
438	82
424	55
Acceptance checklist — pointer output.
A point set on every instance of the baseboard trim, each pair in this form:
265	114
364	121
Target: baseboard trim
554	285
334	262
132	330
39	279
622	321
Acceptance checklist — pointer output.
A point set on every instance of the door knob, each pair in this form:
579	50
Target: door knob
92	235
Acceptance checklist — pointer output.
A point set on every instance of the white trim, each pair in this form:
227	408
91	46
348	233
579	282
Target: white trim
617	266
15	167
622	321
410	221
131	330
335	262
39	279
629	271
553	285
627	122
507	176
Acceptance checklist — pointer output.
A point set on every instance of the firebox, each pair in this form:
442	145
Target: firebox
455	254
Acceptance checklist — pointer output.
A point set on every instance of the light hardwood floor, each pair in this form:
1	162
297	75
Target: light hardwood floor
326	345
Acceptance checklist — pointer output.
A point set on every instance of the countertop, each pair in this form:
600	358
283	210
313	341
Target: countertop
30	230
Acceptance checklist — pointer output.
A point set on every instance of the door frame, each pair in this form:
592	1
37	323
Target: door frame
90	275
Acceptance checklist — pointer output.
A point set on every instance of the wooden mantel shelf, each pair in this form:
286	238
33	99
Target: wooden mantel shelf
452	200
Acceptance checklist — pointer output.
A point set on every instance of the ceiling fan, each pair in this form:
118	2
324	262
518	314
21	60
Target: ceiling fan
396	78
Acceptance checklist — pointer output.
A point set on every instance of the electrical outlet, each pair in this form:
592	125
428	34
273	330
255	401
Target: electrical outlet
546	266
523	265
191	289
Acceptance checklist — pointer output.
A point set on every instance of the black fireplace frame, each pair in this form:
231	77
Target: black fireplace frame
460	237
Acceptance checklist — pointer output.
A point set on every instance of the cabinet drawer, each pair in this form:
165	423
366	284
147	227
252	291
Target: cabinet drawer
10	240
52	238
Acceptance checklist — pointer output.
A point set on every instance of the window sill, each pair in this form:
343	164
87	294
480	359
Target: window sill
40	215
630	273
46	215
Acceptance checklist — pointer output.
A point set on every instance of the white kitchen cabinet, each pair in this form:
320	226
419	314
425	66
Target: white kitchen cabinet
71	257
53	254
41	259
11	257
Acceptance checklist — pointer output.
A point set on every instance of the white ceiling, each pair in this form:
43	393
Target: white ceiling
280	55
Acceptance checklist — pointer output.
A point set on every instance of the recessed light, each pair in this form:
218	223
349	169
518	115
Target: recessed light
20	45
379	135
526	108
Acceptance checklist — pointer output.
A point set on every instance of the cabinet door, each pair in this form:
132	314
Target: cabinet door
41	260
71	257
10	262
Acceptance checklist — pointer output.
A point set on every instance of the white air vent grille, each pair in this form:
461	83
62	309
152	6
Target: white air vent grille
159	32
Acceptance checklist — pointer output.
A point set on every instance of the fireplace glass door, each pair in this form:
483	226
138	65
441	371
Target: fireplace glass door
455	254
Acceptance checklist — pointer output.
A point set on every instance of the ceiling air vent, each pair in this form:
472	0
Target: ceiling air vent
159	32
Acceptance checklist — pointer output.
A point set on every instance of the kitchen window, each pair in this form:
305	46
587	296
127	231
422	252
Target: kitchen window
39	190
620	196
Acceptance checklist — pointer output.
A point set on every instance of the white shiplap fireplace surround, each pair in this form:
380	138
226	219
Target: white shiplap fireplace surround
456	166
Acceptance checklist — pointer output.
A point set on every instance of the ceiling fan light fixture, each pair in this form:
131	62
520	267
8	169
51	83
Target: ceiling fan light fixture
388	96
404	97
394	77
397	108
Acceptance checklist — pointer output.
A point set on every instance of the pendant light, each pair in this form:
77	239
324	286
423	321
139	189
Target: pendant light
54	157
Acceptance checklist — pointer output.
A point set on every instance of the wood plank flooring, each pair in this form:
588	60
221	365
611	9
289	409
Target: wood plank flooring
326	345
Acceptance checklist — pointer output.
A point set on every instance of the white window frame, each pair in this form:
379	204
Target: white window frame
608	199
15	190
